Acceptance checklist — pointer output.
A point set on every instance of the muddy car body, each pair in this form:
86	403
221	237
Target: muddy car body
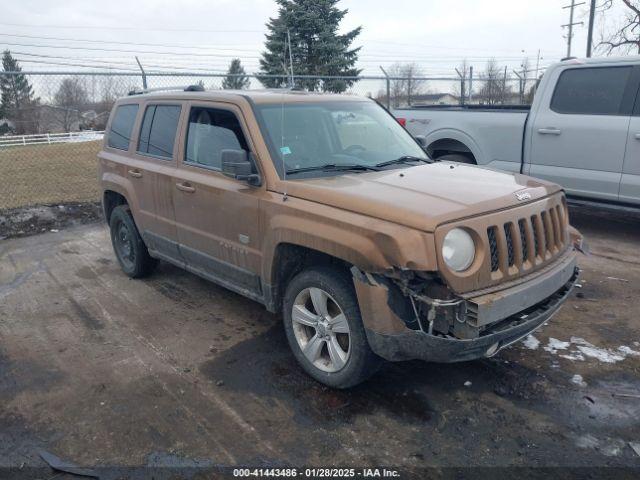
323	208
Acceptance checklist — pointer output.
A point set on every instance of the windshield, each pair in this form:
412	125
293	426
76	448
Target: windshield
306	137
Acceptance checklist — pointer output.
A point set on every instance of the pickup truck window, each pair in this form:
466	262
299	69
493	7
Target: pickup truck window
337	133
209	132
158	131
591	91
121	126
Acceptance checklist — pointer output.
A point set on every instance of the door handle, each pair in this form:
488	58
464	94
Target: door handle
185	187
549	131
637	136
135	173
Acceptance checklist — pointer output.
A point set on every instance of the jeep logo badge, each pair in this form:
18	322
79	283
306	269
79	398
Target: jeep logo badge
522	196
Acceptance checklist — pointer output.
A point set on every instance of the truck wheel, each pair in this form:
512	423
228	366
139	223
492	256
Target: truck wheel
457	157
130	250
324	328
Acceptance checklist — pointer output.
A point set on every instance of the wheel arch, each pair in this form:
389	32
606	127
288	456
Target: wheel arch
117	191
287	260
442	142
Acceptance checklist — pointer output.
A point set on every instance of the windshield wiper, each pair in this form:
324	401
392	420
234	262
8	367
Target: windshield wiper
402	159
333	167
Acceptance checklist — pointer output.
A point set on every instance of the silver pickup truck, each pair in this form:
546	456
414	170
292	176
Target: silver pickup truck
582	130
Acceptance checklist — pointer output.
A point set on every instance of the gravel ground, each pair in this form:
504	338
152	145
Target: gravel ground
173	371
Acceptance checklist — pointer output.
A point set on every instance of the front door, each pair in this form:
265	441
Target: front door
217	217
580	131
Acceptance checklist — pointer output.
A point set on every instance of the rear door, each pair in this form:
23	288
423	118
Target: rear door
217	216
152	170
630	182
580	131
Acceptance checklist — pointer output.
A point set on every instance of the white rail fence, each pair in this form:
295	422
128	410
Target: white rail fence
50	138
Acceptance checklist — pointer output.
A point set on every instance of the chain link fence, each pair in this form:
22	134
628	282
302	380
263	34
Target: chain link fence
42	163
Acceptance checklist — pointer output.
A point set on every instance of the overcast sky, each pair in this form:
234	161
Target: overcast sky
205	34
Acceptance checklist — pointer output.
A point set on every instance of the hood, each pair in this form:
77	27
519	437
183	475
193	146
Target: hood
424	196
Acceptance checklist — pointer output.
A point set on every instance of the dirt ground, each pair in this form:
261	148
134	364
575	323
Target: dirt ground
174	371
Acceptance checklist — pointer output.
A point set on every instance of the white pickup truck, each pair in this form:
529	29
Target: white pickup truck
582	131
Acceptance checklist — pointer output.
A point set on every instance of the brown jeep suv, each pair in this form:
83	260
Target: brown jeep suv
324	208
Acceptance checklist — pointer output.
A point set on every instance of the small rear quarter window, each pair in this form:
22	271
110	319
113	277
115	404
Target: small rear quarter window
122	126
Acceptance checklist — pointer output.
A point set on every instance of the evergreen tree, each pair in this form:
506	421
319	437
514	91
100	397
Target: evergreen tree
316	46
236	78
16	101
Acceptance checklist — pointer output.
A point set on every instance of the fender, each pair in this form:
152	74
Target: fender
371	245
460	136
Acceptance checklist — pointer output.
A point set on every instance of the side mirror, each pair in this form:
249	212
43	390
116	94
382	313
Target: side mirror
237	164
422	140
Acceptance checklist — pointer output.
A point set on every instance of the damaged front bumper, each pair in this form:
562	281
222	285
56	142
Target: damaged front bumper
480	324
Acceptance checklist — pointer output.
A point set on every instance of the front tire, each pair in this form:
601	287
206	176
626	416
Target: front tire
130	250
324	328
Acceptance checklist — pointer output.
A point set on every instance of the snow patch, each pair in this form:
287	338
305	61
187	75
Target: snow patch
579	349
531	342
555	345
578	380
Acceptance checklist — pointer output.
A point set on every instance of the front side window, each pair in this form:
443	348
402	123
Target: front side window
210	131
158	131
591	91
342	133
122	126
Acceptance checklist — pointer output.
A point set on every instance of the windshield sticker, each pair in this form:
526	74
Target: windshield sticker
285	150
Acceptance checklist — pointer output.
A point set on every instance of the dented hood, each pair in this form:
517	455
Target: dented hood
424	196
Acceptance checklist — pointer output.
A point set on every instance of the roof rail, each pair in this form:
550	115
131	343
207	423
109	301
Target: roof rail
185	88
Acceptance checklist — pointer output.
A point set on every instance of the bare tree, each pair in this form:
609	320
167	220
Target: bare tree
625	35
495	88
408	83
69	99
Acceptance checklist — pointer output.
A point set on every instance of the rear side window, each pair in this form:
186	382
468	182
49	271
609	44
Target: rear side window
122	126
158	131
591	91
210	131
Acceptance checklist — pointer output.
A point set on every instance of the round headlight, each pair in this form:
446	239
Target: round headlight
458	250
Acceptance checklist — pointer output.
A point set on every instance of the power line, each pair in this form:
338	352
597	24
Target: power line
137	28
87	40
72	47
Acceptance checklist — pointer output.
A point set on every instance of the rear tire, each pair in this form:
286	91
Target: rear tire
327	336
130	250
457	157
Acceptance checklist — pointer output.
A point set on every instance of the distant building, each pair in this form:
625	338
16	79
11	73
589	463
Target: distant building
434	99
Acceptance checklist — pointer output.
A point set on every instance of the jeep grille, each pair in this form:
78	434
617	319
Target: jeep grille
540	236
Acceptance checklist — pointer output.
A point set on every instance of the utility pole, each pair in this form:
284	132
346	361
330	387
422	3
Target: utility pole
538	64
571	23
592	14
